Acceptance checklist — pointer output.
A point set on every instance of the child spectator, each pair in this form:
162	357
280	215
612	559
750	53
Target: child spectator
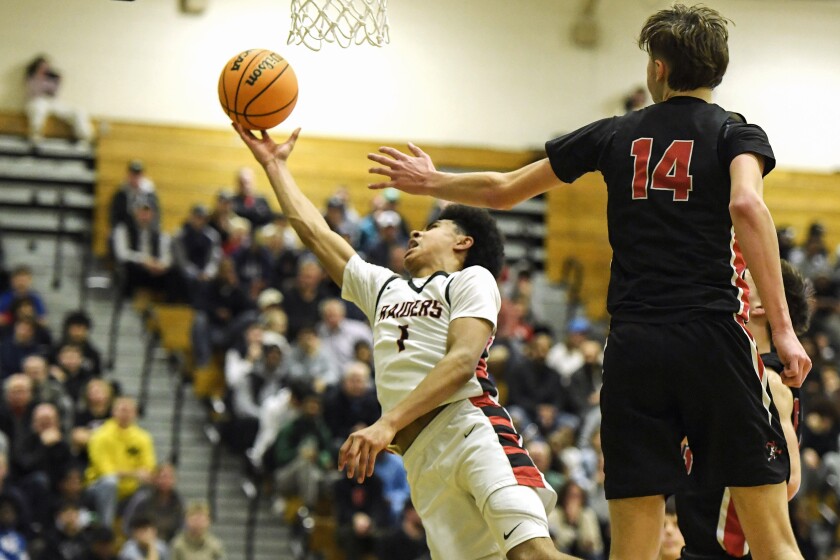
76	330
144	543
160	501
196	542
20	286
12	541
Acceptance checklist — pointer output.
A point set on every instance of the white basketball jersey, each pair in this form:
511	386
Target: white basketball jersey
410	320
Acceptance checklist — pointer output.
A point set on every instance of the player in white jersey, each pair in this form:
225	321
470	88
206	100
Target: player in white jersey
476	489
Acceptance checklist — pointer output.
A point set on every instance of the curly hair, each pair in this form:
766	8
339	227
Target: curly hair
692	41
799	295
488	249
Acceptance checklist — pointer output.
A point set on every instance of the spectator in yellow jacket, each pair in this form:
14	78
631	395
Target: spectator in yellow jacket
122	457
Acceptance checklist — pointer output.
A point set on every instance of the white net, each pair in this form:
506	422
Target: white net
345	22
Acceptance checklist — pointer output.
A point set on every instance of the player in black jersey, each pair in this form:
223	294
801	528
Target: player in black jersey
707	518
684	180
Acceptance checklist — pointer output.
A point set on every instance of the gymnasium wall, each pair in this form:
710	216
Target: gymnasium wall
495	73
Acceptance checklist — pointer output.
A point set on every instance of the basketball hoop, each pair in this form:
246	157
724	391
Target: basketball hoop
345	22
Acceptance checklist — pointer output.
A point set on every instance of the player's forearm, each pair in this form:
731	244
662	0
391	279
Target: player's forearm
330	248
443	381
756	235
490	189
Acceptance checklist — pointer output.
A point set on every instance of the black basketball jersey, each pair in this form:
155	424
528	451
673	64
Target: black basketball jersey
675	256
707	519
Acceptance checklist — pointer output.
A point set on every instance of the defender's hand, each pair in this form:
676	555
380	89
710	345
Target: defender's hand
406	173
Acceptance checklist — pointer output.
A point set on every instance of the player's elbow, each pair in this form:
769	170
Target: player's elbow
746	207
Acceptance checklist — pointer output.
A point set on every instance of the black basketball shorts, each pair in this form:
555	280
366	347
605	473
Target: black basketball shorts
701	379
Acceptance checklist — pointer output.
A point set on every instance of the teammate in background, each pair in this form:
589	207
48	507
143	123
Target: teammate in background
476	489
707	518
684	182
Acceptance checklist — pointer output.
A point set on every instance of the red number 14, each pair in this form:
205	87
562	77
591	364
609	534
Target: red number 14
670	174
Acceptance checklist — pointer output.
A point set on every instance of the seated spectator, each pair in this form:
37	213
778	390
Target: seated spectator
66	537
221	215
253	266
102	543
24	309
222	314
585	383
11	492
390	235
310	360
16	346
16	410
71	489
160	501
337	218
94	410
69	370
13	543
240	236
574	526
391	471
363	352
144	543
535	393
368	228
352	405
243	355
266	378
566	357
362	515
39	459
20	286
552	468
407	541
136	189
43	83
196	542
197	250
47	389
122	457
76	330
282	254
302	300
672	538
302	458
340	334
144	253
249	204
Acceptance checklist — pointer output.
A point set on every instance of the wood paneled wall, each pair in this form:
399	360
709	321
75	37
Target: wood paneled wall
190	164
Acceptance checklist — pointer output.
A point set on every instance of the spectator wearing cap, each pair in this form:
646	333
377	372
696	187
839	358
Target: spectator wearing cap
247	203
368	229
136	185
337	218
222	314
145	254
197	250
391	235
566	356
75	330
392	202
266	378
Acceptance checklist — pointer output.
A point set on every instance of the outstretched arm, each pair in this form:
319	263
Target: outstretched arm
416	174
756	235
330	248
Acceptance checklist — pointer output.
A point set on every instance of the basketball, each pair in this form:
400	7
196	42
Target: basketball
258	89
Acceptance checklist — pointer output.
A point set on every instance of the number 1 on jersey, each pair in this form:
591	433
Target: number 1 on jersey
403	337
670	174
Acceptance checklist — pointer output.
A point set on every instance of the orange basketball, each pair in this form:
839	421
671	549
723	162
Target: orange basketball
258	89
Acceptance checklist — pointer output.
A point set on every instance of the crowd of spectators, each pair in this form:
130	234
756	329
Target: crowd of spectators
299	377
73	459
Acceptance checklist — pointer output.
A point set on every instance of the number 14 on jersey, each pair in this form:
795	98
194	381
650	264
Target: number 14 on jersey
670	174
